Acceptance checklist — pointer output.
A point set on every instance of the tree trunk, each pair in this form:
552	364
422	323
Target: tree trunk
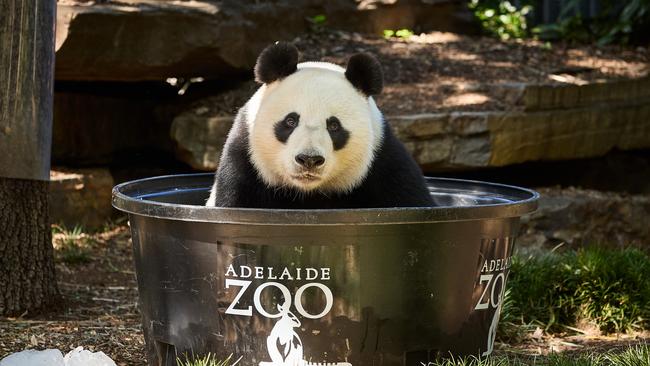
27	280
26	265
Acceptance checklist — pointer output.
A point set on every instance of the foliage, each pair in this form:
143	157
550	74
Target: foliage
318	22
71	245
633	356
637	356
604	287
616	22
207	360
501	18
319	19
403	34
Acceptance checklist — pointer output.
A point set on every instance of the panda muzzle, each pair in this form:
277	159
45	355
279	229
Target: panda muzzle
310	161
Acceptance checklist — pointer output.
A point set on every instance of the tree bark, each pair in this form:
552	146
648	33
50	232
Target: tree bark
27	279
26	265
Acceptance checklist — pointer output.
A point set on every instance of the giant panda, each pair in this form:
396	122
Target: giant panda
312	137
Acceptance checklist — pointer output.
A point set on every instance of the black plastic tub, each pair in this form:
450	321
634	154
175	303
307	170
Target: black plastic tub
394	286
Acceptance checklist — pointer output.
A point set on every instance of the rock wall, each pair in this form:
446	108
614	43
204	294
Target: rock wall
545	123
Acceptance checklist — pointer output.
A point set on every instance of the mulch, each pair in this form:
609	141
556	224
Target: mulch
441	72
100	309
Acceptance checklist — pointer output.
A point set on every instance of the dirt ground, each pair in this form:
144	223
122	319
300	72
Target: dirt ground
438	72
100	309
447	71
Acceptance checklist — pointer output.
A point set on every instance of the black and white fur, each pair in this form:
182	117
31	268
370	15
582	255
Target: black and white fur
312	137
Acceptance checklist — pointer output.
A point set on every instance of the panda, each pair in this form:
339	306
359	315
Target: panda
312	137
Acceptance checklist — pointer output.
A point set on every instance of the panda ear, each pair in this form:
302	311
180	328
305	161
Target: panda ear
364	72
276	62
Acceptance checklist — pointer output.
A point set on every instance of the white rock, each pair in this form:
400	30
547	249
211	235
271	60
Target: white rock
81	357
49	357
54	357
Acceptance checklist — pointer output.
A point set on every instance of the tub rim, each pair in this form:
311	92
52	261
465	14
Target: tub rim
132	205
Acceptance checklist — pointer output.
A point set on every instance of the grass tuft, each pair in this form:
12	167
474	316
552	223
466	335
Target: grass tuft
207	360
71	245
605	287
632	356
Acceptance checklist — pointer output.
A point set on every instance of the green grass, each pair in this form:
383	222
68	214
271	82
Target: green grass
403	34
631	356
207	360
72	245
607	288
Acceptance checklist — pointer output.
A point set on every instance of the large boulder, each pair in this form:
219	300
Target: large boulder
155	40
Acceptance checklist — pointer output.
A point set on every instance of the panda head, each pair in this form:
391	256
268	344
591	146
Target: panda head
314	125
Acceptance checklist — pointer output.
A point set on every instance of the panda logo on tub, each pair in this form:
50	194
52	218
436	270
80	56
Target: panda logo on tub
312	137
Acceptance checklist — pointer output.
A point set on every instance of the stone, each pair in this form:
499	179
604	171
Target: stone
517	137
80	197
469	123
200	140
544	97
471	151
155	40
434	151
459	140
48	357
136	40
577	217
420	126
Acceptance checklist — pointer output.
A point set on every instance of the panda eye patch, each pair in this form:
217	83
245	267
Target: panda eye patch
338	133
291	120
285	127
333	124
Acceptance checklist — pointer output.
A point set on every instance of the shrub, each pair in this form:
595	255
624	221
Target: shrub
501	18
616	22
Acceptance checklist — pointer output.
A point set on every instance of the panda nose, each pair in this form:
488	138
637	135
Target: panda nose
310	161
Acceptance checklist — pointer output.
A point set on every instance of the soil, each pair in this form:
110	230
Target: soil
100	309
437	72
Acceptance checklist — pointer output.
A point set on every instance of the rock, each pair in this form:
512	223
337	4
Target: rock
30	357
200	140
54	357
80	197
541	97
201	130
154	40
572	133
82	357
463	140
578	217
